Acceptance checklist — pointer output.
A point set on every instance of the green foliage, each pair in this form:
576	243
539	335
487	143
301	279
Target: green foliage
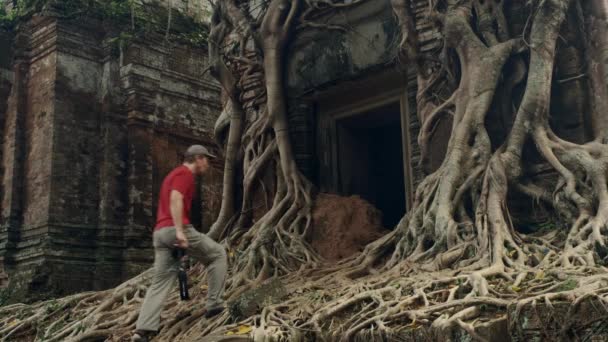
120	9
568	285
194	38
52	306
135	19
122	12
21	9
546	226
6	19
122	39
129	17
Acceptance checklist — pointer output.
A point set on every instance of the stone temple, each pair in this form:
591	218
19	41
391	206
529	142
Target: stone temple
90	129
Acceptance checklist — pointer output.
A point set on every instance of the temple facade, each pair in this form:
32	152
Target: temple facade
90	126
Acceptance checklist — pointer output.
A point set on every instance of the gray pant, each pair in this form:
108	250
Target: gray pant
166	266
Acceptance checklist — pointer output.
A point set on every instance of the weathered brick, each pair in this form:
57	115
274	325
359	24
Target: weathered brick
88	135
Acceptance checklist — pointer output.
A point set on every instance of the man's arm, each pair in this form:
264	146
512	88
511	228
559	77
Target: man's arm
177	212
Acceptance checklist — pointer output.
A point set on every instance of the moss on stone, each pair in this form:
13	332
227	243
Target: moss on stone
125	17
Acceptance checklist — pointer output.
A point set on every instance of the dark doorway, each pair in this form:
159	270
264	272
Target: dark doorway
370	160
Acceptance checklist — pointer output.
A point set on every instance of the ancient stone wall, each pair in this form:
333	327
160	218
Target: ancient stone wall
344	67
26	149
347	68
6	79
197	9
90	128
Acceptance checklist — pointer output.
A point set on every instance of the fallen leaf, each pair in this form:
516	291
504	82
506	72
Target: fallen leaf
540	275
241	330
515	288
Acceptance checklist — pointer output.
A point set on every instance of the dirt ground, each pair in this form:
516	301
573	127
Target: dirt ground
343	226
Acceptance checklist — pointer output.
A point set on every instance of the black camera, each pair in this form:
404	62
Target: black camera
182	276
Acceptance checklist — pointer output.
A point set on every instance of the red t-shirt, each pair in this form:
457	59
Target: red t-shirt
182	180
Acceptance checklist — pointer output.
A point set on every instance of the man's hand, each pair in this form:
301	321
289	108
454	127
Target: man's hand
180	239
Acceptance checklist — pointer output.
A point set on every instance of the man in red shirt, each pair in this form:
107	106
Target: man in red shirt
173	230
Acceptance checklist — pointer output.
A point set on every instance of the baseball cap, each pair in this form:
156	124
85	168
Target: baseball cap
198	150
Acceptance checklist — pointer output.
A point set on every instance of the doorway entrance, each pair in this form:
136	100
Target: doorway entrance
370	160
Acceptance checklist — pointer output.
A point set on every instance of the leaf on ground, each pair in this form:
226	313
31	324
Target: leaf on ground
13	323
516	288
540	275
241	330
568	285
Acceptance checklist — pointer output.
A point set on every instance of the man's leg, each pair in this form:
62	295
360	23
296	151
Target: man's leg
165	273
213	256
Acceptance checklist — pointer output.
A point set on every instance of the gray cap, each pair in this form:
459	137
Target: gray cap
198	150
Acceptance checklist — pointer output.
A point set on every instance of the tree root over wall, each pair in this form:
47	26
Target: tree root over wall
454	262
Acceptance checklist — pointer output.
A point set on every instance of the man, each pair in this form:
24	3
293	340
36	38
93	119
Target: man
173	230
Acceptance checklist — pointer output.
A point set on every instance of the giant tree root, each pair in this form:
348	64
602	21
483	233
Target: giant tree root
322	303
447	267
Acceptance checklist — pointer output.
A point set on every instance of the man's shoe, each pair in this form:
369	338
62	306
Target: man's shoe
142	336
214	312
